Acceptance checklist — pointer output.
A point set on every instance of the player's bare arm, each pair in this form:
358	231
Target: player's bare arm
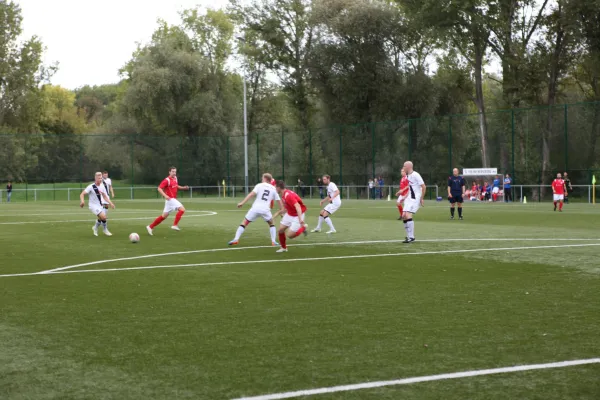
423	189
112	192
183	187
299	212
81	199
107	199
163	194
246	199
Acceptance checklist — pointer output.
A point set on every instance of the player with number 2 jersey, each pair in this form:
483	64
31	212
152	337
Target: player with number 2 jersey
265	194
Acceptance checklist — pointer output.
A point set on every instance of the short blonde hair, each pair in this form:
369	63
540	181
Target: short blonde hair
268	177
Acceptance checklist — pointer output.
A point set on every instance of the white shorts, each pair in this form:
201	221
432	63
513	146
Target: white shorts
412	205
171	205
332	207
253	214
400	199
96	210
292	222
496	190
559	197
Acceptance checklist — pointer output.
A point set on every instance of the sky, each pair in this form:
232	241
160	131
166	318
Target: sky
92	39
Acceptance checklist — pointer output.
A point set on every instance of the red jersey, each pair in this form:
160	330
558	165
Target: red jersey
169	186
559	186
273	182
404	185
290	199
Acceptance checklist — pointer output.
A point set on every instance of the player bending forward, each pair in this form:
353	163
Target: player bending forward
414	200
265	194
97	194
292	224
558	189
335	202
168	189
402	193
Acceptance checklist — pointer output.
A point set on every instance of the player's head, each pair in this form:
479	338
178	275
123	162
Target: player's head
104	174
455	171
172	172
326	179
98	177
267	178
408	167
558	176
508	175
565	175
280	186
403	172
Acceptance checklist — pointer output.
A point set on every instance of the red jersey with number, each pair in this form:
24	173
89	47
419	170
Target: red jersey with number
559	186
290	199
403	186
169	186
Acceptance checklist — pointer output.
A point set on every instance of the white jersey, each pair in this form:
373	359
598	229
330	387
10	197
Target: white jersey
331	189
107	183
414	185
95	195
265	193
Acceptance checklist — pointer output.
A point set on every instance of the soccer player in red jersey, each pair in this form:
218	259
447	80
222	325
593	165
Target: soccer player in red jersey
168	189
403	192
292	224
558	189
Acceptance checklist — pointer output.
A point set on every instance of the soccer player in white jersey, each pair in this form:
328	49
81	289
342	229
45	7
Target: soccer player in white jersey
107	183
414	200
335	202
265	193
97	193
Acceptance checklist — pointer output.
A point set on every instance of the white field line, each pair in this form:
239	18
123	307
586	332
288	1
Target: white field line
284	260
91	219
87	264
78	213
418	379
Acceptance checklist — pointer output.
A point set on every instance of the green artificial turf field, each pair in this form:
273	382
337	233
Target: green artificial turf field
510	285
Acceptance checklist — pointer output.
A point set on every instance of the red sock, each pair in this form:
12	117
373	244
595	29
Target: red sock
178	217
400	209
560	205
300	231
282	240
554	204
157	221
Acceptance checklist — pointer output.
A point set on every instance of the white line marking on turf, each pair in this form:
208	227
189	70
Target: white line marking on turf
418	379
303	245
282	260
78	213
91	220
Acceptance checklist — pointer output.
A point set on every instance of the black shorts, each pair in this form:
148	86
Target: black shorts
455	199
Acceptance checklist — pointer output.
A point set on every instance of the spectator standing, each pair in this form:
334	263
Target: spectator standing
376	183
381	185
320	186
302	187
8	191
508	189
568	186
496	188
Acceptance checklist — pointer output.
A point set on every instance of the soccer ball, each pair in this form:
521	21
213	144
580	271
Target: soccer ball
134	238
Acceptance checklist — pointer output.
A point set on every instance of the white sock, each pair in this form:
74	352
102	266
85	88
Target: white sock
320	222
406	229
273	232
98	223
238	233
328	220
104	225
411	229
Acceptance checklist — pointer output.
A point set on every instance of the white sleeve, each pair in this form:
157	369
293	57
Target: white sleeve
255	190
89	189
419	179
334	187
276	196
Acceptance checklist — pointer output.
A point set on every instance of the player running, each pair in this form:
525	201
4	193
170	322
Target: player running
456	192
402	193
273	183
168	189
97	193
292	224
414	200
335	202
265	193
558	190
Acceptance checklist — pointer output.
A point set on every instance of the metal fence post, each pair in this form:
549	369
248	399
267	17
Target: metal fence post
341	180
257	158
372	150
132	169
310	165
228	169
282	154
566	138
512	123
450	145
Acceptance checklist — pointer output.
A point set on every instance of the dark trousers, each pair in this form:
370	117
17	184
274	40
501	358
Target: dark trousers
508	194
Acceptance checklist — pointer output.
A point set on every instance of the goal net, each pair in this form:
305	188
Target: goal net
483	184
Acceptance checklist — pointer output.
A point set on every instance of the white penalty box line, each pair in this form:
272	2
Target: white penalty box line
70	269
419	379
